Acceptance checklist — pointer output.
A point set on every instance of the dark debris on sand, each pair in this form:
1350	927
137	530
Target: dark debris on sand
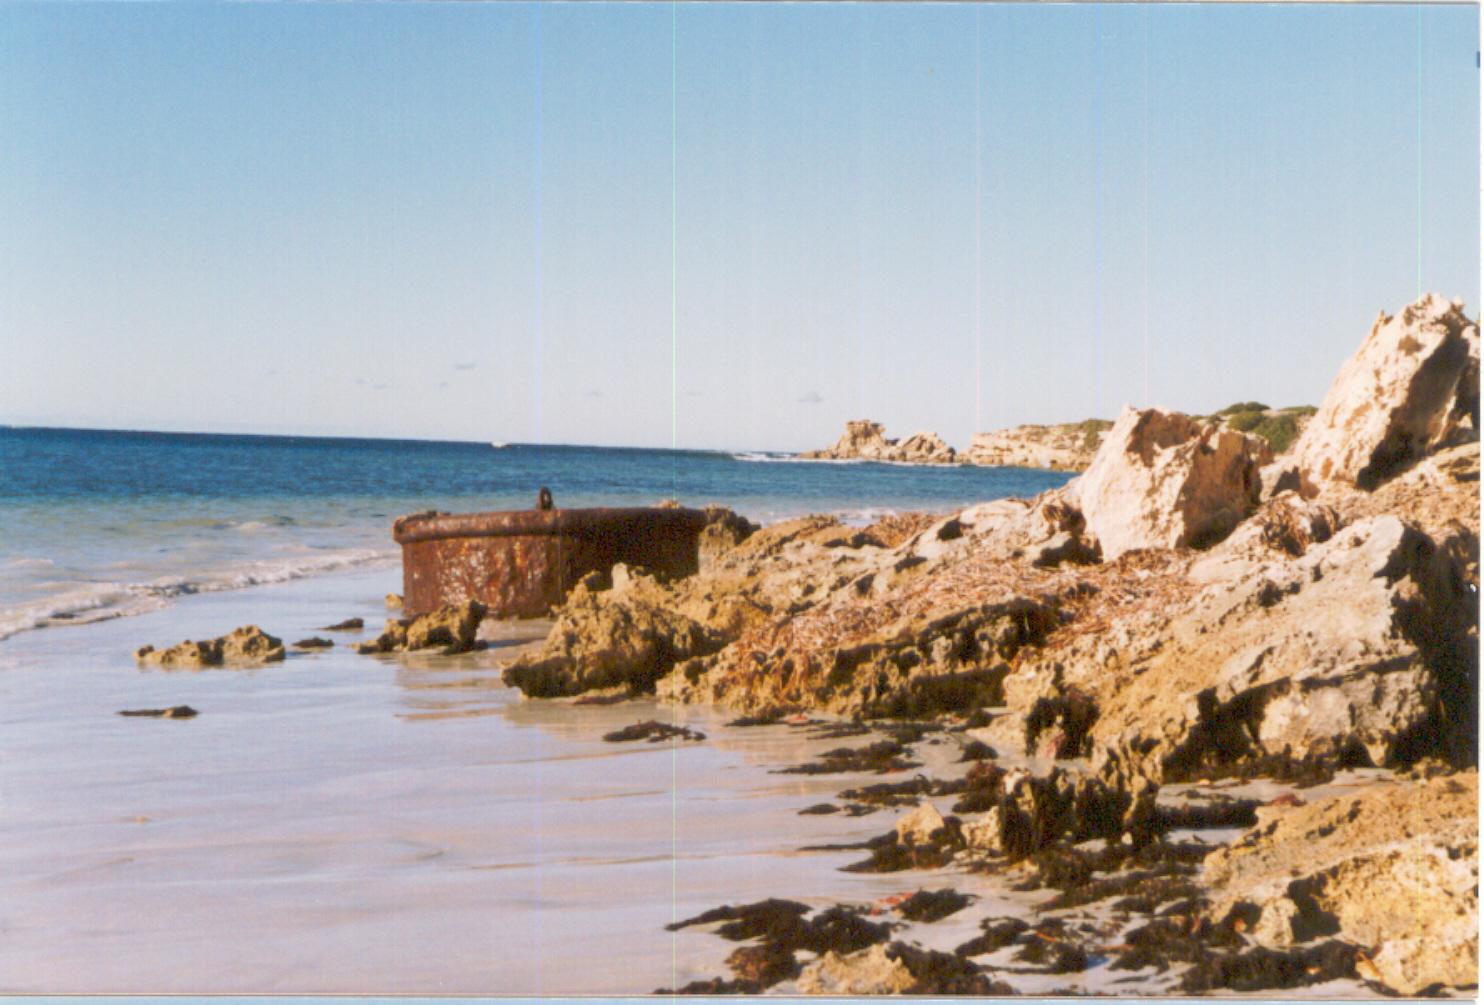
348	625
653	731
933	905
173	712
880	757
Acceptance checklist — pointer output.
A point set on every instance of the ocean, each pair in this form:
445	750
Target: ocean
100	524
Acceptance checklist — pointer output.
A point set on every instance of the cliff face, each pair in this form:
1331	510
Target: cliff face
1067	447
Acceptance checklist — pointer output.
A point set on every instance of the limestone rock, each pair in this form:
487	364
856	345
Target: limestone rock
865	440
1393	869
1362	648
394	601
918	826
724	530
1162	480
1411	388
924	448
866	972
244	646
452	628
627	636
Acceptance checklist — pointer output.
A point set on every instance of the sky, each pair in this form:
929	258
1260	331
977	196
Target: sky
714	226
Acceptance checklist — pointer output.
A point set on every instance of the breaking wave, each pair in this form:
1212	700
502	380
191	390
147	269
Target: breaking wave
90	602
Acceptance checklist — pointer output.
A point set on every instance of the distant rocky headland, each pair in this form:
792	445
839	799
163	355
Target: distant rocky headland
1065	447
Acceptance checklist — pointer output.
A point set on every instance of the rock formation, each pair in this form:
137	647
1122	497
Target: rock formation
1172	615
1412	388
245	646
1162	480
452	628
1373	869
865	440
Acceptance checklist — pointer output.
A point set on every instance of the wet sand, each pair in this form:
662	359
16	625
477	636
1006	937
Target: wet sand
346	823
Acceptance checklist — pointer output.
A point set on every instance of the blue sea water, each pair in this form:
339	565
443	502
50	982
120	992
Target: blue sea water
97	524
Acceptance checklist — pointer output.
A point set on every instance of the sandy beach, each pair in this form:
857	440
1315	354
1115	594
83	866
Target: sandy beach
340	823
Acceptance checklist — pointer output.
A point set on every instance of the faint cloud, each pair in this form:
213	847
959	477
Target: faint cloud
380	387
810	398
443	383
592	392
466	366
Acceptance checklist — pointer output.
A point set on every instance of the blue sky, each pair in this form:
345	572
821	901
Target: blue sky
735	226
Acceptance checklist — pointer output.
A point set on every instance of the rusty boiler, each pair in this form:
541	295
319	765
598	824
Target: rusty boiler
521	563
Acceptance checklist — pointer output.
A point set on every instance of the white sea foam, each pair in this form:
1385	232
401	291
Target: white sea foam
86	603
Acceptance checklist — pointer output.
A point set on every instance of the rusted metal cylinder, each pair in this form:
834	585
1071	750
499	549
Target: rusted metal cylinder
522	562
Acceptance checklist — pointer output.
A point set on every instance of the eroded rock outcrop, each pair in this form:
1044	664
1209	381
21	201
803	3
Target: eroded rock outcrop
865	440
1411	388
1393	870
452	628
245	646
1162	480
623	636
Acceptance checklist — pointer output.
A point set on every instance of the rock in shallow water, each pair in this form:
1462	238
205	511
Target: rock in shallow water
246	645
452	628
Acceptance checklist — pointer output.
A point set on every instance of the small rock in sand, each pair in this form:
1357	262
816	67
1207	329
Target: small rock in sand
919	826
868	972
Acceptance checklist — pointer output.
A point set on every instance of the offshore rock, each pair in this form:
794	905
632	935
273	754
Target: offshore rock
244	646
1162	480
452	628
1393	869
1411	388
865	440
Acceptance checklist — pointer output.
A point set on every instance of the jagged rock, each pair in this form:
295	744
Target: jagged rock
866	972
1162	480
1393	869
1068	447
1362	649
452	628
865	440
724	530
1411	388
925	448
919	826
246	645
394	601
625	636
